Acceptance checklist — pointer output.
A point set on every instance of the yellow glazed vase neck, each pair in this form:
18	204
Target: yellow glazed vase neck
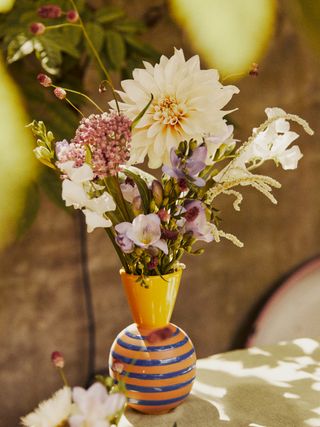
152	306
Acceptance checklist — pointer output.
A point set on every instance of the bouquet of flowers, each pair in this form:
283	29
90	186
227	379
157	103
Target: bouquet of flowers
171	115
102	404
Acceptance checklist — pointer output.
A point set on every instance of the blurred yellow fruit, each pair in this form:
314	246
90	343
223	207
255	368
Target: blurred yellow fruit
6	5
18	167
229	34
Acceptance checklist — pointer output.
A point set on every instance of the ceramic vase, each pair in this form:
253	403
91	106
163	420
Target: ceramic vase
154	358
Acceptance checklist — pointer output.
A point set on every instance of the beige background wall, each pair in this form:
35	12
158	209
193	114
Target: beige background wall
41	298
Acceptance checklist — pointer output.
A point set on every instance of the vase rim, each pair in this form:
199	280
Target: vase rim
123	271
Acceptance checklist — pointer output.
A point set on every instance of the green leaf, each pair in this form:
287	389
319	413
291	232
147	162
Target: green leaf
142	187
108	14
32	204
140	46
130	26
96	34
141	114
58	41
116	48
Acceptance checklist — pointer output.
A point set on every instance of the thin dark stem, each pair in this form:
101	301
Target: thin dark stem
88	298
96	54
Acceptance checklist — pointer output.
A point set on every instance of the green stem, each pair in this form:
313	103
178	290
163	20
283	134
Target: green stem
81	94
96	54
118	250
73	106
63	377
54	27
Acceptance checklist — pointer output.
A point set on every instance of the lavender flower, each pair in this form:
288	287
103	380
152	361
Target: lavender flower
144	231
196	221
189	169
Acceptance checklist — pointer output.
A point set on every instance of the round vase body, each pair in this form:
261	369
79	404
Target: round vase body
154	358
158	374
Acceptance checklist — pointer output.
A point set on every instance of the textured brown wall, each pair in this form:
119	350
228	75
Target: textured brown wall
42	304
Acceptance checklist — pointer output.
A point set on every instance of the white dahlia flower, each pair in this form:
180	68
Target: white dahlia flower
187	104
51	413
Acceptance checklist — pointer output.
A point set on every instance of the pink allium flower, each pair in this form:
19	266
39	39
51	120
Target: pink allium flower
70	152
50	11
108	136
37	28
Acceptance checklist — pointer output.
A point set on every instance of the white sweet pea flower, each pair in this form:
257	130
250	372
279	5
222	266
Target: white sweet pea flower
214	142
95	406
101	204
95	220
74	194
144	231
187	103
77	174
273	143
51	413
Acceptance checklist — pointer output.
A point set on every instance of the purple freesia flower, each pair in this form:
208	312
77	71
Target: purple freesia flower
144	231
189	169
196	221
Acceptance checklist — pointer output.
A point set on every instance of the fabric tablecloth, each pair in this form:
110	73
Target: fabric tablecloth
272	386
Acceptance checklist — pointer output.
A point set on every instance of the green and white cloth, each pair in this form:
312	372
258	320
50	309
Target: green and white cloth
274	386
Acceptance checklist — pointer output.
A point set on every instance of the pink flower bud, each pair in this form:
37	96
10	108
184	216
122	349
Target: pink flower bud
50	11
254	70
60	93
37	28
159	335
44	80
72	16
57	359
117	367
164	215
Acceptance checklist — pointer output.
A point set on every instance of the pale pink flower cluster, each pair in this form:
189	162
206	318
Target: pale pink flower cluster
108	136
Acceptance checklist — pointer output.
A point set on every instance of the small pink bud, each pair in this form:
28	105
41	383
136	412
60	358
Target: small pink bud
57	359
159	335
50	11
72	16
254	70
37	28
164	215
44	80
60	93
117	367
